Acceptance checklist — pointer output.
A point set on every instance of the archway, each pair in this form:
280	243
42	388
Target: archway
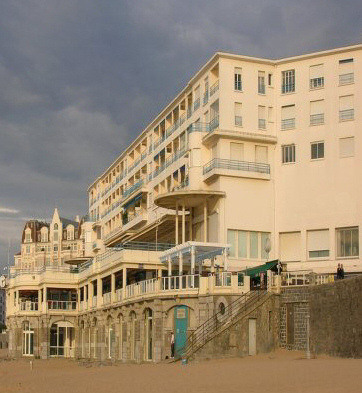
62	339
28	339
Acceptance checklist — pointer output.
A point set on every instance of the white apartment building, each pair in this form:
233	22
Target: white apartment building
251	149
254	160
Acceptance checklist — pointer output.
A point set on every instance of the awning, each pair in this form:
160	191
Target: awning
257	270
132	201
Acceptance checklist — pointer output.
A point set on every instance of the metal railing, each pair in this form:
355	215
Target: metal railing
170	283
62	305
347	114
196	104
346	79
144	246
214	123
206	97
261	124
236	165
221	320
316	83
288	124
317	119
60	269
27	305
182	185
214	88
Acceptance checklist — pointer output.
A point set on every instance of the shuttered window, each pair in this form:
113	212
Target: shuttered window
318	243
290	246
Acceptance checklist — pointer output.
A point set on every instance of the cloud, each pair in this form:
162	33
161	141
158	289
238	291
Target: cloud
79	80
8	210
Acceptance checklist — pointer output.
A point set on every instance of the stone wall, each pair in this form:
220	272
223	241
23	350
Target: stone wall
235	340
336	318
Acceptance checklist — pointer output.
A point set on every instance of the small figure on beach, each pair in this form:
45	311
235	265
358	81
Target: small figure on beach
172	340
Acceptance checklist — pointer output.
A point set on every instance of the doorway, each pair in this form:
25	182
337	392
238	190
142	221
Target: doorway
181	324
62	339
28	339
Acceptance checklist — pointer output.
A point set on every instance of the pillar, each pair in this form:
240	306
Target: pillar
183	223
205	221
99	292
193	259
169	266
124	282
180	269
190	225
225	260
113	287
176	225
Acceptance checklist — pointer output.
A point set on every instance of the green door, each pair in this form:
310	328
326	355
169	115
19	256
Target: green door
181	317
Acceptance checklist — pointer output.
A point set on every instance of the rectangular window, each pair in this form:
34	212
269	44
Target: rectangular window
346	108
261	154
270	79
288	117
242	244
254	245
346	147
318	243
316	77
238	114
261	117
288	81
317	150
288	153
232	241
236	151
346	72
347	242
316	112
237	79
261	82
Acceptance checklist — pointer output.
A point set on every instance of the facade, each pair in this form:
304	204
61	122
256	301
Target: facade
254	160
2	307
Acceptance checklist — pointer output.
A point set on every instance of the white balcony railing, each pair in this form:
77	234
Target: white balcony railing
62	305
28	306
107	297
94	301
119	294
172	283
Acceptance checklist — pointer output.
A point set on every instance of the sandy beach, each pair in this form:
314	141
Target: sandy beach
281	372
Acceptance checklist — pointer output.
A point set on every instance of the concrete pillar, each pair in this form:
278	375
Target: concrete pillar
193	259
176	225
124	282
90	294
99	292
183	223
169	266
190	225
180	268
225	260
205	221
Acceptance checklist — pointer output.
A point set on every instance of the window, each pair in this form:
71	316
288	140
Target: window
317	150
346	147
316	112
316	78
288	81
346	72
346	108
288	153
261	117
27	238
347	242
261	82
237	79
270	79
247	244
288	117
236	151
318	243
238	114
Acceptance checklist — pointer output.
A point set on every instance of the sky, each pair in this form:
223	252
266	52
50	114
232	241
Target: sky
79	80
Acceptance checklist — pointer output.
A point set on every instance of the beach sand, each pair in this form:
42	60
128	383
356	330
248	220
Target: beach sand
280	371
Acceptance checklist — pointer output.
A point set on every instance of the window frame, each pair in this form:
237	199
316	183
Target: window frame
292	145
288	81
339	230
311	150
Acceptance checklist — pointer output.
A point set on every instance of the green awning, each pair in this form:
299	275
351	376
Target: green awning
255	271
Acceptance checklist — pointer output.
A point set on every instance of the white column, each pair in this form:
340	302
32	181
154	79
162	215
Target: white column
176	225
124	282
169	266
183	223
113	287
192	259
225	260
205	221
190	225
180	268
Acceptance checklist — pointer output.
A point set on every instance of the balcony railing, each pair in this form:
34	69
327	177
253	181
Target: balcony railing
180	282
288	124
198	127
317	119
26	305
316	83
346	79
206	97
223	279
62	305
132	188
94	301
347	114
236	165
196	104
239	121
107	297
119	294
261	124
214	123
170	160
182	185
214	88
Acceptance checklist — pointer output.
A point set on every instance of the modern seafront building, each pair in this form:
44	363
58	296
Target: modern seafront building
254	160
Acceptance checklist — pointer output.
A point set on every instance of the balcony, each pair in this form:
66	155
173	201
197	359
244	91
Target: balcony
222	167
317	119
214	123
346	79
347	114
196	104
214	88
107	298
59	305
27	305
206	98
288	124
132	221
